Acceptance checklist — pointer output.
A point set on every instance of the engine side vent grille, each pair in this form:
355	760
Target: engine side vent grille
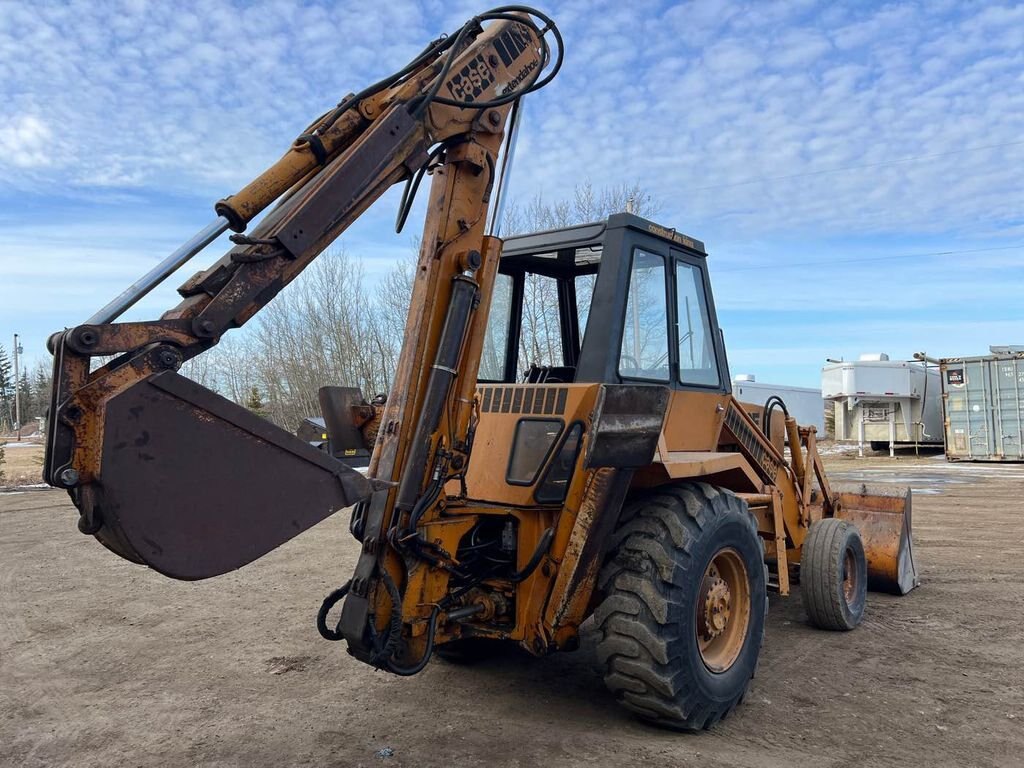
752	443
540	401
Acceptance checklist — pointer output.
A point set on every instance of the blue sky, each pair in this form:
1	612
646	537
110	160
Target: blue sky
855	169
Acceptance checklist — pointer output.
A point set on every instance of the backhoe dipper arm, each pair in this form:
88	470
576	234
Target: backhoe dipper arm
167	473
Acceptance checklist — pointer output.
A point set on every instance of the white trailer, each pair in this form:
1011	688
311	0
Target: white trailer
884	403
803	403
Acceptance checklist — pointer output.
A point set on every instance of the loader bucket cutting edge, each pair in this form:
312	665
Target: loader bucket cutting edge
882	516
254	486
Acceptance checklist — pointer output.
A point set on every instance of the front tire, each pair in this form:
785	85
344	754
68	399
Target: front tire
682	619
834	575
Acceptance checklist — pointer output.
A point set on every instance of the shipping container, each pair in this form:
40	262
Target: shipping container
884	403
983	403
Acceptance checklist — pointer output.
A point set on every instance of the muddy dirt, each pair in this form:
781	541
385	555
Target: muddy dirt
105	663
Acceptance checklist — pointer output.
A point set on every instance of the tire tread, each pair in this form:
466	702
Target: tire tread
820	562
651	561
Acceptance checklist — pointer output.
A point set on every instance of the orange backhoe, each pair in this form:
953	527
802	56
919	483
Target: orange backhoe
510	495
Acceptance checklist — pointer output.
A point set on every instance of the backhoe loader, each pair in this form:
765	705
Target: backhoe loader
510	496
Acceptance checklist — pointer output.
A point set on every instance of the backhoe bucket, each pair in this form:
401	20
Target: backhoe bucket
194	485
882	516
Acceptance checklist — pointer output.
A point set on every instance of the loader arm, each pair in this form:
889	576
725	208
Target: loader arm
167	473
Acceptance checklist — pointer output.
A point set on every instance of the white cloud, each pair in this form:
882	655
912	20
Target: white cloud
705	103
25	142
199	96
182	96
761	91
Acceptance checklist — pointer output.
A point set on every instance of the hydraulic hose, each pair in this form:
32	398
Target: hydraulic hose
538	554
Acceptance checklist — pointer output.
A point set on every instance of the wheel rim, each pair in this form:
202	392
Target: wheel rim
851	578
723	610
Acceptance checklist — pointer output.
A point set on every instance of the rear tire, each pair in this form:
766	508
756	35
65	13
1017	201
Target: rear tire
880	445
834	575
682	619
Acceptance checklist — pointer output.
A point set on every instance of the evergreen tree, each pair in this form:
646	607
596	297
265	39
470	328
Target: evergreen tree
41	381
6	392
255	403
26	395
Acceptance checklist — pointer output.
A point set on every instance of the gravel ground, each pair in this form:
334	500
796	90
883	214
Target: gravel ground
105	663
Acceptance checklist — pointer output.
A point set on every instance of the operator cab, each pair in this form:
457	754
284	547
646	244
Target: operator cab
622	300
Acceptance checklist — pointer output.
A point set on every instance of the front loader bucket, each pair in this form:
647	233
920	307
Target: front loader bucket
882	515
194	485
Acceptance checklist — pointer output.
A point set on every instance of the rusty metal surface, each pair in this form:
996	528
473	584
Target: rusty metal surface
196	486
114	338
627	424
340	407
70	372
294	166
593	524
882	516
171	475
455	226
396	136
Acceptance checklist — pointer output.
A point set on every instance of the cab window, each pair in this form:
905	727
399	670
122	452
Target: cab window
540	339
584	298
644	351
697	363
492	357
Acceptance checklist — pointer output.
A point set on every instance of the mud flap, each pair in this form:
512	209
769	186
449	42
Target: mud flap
194	486
882	515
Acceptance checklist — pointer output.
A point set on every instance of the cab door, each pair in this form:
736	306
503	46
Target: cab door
700	376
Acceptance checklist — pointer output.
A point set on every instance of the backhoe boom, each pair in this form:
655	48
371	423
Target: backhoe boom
602	468
131	438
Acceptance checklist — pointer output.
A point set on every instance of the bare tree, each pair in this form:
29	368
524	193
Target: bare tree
586	204
540	337
387	322
326	328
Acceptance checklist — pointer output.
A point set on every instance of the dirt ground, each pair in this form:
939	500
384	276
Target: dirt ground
22	463
106	663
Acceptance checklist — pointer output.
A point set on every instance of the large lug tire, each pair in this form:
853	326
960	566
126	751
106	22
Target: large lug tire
684	604
833	575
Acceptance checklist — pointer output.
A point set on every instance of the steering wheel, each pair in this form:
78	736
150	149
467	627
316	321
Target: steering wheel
629	359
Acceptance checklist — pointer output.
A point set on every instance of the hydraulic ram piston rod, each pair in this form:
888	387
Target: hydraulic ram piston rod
159	273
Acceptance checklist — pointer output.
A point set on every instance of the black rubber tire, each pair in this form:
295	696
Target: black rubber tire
650	584
880	445
822	571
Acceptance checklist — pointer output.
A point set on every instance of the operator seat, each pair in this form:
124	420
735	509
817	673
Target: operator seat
550	374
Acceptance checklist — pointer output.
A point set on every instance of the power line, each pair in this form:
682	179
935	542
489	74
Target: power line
879	164
858	260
